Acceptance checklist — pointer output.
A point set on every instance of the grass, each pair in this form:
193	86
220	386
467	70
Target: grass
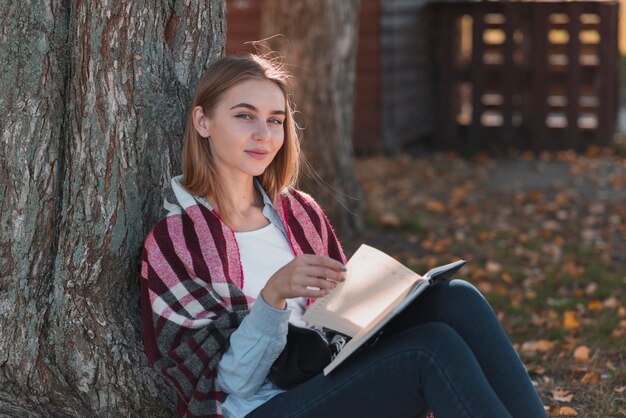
536	269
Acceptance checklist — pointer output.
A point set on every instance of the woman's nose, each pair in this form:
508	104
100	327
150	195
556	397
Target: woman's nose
261	131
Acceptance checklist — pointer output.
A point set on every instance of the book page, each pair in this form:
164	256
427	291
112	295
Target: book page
405	299
379	322
374	282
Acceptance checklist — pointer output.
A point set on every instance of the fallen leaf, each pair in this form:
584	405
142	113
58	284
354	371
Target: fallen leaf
538	320
500	289
485	286
516	297
493	267
482	159
595	305
588	234
539	346
591	288
486	235
459	194
566	411
581	354
617	180
539	370
597	208
389	219
441	245
591	378
570	320
569	343
620	389
551	225
562	395
611	303
620	329
435	206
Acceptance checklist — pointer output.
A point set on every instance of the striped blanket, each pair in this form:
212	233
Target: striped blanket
191	297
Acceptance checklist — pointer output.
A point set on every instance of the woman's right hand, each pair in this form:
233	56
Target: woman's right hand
307	275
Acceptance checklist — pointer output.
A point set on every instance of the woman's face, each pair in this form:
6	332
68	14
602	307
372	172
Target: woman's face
246	128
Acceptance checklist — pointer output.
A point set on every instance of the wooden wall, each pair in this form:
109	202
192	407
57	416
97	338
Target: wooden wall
407	111
367	134
541	75
243	24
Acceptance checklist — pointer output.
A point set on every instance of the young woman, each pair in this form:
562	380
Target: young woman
241	253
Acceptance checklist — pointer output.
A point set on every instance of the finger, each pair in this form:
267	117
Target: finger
325	273
321	283
315	293
315	282
323	261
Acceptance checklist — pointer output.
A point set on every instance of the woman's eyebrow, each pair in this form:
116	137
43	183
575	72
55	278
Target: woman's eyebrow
253	108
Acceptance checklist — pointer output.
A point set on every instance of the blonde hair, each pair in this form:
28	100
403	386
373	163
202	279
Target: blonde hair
200	176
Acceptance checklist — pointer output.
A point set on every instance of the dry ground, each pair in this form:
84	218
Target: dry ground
545	239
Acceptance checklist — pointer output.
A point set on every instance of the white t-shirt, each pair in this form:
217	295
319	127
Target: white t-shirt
262	253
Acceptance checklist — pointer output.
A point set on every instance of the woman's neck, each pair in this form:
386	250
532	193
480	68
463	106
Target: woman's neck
246	212
244	198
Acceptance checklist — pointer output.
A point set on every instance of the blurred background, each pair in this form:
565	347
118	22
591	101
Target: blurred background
478	74
488	130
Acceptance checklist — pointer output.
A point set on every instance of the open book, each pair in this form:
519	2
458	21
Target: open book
377	288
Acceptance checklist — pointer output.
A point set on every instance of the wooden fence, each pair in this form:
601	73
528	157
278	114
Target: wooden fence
539	75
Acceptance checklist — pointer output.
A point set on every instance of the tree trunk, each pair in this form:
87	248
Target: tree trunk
319	44
91	117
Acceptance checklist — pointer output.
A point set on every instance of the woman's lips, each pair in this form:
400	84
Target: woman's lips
258	154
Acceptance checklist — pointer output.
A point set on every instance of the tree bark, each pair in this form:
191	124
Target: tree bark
91	117
319	44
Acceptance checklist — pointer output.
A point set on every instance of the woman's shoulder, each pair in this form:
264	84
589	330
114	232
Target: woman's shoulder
302	206
294	195
169	227
160	228
161	234
181	228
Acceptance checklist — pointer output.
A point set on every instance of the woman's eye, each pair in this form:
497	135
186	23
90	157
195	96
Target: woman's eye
243	116
275	121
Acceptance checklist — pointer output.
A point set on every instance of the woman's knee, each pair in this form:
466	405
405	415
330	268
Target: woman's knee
460	291
461	302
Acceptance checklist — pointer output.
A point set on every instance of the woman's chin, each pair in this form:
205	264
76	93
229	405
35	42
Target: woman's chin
255	172
259	169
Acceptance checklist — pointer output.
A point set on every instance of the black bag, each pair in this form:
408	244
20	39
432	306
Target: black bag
305	355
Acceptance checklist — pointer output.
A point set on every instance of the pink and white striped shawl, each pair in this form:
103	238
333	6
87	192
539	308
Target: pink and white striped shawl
191	297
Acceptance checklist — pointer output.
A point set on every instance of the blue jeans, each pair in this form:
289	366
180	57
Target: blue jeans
446	352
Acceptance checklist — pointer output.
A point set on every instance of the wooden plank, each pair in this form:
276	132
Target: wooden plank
608	88
572	136
476	133
446	114
368	90
509	76
539	56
